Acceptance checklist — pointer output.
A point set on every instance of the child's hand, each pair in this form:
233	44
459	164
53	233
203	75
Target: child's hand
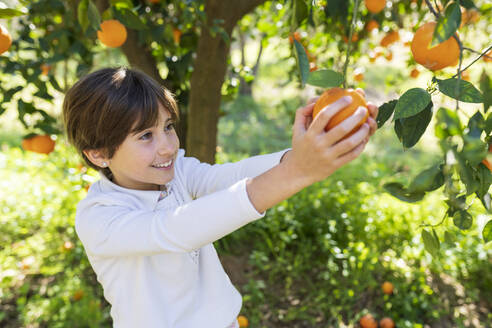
316	154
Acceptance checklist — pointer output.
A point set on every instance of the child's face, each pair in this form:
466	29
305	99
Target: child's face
139	161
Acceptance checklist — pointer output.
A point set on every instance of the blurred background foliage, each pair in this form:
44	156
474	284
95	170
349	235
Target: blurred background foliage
316	260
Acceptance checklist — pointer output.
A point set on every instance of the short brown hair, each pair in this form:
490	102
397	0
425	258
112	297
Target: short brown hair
104	107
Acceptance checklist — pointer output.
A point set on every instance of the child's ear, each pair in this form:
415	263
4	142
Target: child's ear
97	157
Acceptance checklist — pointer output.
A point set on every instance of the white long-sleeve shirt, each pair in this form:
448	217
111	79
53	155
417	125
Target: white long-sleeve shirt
155	259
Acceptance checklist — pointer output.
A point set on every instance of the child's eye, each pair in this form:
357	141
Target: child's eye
170	126
146	136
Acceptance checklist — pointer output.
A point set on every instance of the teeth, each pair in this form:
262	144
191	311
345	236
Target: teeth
164	164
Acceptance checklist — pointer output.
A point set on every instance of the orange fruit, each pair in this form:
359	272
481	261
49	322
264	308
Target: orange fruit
488	57
386	323
355	38
243	321
414	73
368	321
42	144
371	25
296	36
332	95
389	56
444	54
5	39
389	38
45	69
469	16
387	287
27	144
359	77
465	75
375	6
112	34
177	35
78	295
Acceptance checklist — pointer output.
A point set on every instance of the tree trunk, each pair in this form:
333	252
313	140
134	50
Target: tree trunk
208	76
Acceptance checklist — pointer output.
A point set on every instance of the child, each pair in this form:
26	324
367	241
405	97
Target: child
149	223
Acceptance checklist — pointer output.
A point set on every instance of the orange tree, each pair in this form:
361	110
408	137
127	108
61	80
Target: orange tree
436	44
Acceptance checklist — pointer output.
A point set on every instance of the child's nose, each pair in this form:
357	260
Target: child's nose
165	145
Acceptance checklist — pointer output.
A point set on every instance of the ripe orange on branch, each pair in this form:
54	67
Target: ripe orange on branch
112	34
438	57
330	96
5	39
42	144
390	38
371	25
386	323
387	287
368	321
242	321
375	6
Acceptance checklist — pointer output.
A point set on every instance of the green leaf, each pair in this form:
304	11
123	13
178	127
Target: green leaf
427	180
409	130
487	232
476	125
474	150
300	12
466	174
128	18
7	13
411	103
484	177
468	4
447	123
94	16
447	24
82	14
122	4
467	92
398	190
463	220
486	88
385	112
325	78
431	243
302	62
449	238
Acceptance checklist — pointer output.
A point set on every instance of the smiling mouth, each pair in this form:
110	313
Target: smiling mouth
162	165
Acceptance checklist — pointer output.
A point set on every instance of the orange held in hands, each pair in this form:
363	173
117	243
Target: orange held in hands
330	96
5	39
112	34
442	55
375	6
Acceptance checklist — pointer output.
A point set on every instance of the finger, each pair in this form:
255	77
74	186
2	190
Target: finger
373	110
313	100
361	91
345	127
324	116
350	156
372	125
303	117
346	145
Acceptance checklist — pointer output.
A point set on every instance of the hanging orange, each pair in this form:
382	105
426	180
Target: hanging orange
389	38
5	39
375	6
112	34
444	54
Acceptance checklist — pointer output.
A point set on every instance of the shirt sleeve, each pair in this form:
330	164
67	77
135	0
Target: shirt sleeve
116	230
202	178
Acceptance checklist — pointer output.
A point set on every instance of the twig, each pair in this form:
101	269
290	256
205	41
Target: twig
435	225
481	55
432	8
349	43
